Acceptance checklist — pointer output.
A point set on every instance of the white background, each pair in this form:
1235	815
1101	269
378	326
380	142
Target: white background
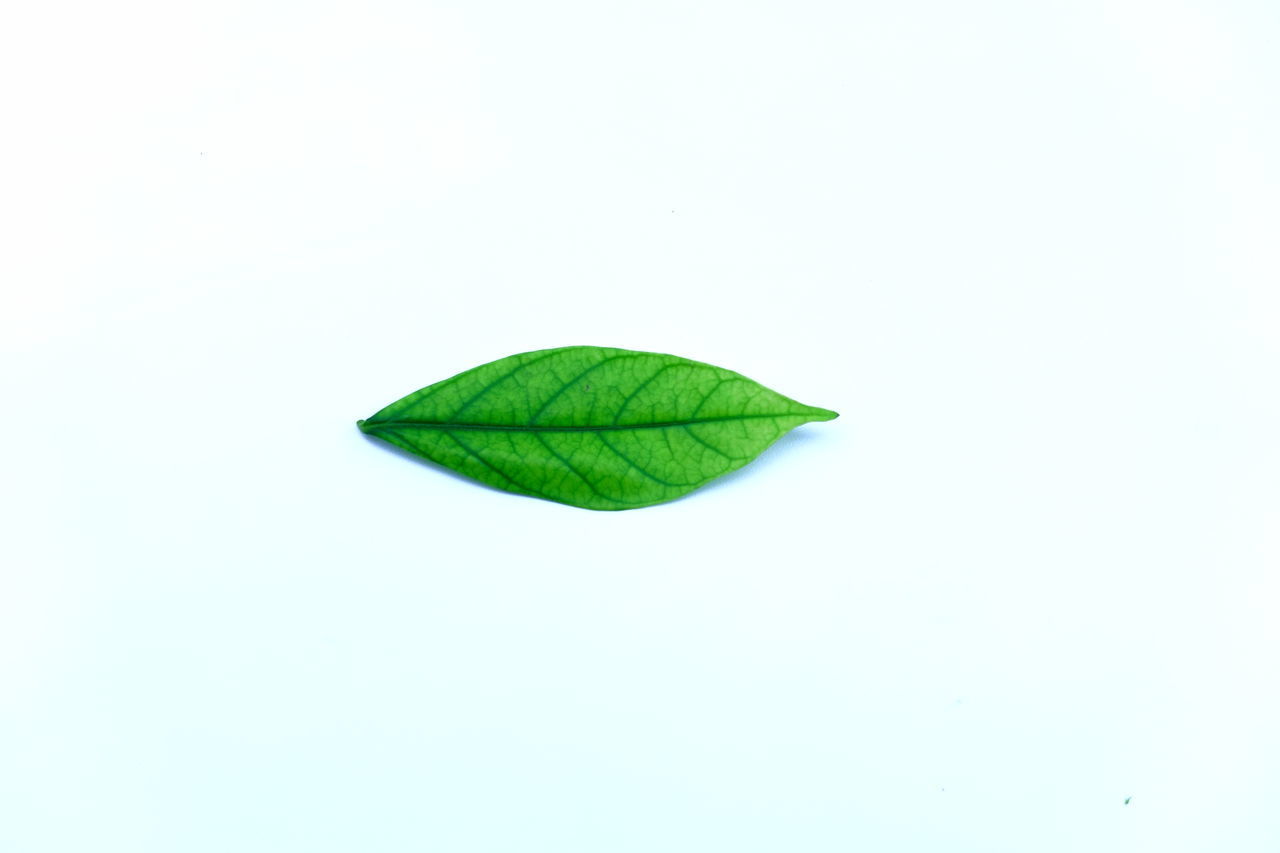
1028	250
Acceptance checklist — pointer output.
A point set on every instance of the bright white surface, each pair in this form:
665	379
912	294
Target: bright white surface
1028	250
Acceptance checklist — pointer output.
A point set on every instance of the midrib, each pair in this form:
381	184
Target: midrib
443	425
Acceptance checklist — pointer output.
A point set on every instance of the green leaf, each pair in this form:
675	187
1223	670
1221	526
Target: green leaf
593	427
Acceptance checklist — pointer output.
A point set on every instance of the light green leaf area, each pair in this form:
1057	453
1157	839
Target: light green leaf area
594	427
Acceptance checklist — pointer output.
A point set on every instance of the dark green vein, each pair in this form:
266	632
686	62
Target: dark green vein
627	459
564	461
495	469
503	378
368	427
643	385
575	380
689	432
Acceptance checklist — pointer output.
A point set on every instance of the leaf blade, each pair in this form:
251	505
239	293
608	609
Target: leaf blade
594	427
